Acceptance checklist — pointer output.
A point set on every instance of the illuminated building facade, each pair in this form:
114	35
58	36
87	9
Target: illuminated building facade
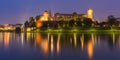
10	26
45	16
66	17
90	13
62	16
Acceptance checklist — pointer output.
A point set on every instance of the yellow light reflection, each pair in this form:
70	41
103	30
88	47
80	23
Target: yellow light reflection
38	39
42	42
22	38
82	41
1	38
93	39
75	39
6	39
58	43
90	49
28	36
113	35
48	36
58	47
52	43
45	46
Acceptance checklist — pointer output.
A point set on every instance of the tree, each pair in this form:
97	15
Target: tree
26	24
71	23
32	22
38	17
61	23
87	22
79	22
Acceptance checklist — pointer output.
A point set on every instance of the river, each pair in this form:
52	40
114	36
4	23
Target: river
59	46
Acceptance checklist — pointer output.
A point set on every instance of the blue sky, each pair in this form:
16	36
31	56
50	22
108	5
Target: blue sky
18	11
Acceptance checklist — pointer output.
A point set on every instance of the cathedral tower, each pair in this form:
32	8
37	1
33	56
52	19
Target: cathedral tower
90	13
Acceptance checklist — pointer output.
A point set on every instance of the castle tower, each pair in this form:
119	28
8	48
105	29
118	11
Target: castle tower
45	16
90	13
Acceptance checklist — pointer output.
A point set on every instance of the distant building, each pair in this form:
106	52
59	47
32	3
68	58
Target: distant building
7	26
10	26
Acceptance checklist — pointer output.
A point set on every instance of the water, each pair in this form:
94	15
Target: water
59	46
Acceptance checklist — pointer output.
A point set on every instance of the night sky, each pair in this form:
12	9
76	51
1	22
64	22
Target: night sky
18	11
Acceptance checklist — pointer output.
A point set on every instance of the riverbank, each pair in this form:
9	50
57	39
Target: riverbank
75	30
70	30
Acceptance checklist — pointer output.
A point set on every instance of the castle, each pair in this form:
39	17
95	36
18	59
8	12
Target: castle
62	16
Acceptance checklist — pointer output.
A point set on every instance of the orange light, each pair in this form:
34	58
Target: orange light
39	23
90	49
58	47
45	46
6	39
38	39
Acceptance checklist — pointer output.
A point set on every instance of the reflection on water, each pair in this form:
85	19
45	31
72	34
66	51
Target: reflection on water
87	46
6	39
90	49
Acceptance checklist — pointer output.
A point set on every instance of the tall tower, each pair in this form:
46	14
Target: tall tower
90	13
45	16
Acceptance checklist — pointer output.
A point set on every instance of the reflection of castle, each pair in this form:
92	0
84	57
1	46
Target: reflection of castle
56	43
